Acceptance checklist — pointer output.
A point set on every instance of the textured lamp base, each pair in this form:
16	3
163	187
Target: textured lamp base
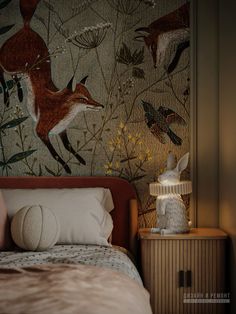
171	215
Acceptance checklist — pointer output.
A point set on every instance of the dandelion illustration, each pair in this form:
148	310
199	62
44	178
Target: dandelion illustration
79	6
129	7
90	37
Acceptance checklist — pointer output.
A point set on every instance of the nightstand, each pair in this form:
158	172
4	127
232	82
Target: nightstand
183	268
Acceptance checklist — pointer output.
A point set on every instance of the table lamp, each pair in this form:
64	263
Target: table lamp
171	211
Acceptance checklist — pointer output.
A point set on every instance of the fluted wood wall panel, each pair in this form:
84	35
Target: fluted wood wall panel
163	259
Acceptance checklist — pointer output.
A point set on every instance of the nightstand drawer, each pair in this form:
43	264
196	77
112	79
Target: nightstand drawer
178	268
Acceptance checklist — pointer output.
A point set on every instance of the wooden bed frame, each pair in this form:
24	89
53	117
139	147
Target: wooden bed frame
125	214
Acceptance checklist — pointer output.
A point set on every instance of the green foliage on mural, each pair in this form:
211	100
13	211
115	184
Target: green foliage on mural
9	84
13	123
4	3
5	29
125	56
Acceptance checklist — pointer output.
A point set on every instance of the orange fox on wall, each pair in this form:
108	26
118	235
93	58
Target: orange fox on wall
166	29
50	108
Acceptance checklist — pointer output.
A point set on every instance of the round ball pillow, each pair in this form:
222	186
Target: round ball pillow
35	228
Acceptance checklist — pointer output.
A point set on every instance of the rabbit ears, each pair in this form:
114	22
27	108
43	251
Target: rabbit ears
182	163
171	161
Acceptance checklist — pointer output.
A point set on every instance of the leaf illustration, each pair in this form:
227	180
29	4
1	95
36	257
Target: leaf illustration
186	92
129	158
13	123
40	170
4	3
138	73
10	85
39	18
19	156
138	166
127	172
137	178
50	171
19	91
124	56
2	164
138	56
62	30
5	29
48	5
81	6
158	90
29	173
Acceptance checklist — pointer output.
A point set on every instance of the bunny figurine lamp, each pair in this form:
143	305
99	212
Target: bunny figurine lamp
171	211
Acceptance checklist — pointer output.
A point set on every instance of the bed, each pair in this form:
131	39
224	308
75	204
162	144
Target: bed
76	278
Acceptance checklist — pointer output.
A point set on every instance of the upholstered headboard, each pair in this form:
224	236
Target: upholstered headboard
124	197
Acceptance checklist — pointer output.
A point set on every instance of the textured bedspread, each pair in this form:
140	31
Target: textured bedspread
71	289
111	257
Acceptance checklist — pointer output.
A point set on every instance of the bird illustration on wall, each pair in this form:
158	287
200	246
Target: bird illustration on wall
159	121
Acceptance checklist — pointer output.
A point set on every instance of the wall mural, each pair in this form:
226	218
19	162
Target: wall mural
94	87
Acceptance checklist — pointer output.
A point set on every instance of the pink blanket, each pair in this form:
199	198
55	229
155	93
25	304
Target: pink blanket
70	289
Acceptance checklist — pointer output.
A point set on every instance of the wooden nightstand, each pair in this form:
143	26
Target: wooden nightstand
180	267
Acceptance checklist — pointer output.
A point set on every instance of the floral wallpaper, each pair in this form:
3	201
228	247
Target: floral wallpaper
94	87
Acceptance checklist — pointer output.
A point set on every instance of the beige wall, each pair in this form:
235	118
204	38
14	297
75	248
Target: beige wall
215	121
227	134
205	112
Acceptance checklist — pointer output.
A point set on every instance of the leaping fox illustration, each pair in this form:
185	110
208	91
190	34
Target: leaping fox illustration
50	108
169	28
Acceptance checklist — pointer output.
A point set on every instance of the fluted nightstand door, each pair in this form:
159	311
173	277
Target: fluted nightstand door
180	267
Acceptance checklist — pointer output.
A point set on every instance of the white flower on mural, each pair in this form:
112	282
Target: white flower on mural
90	37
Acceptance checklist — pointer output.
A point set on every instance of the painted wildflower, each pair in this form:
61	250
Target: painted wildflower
90	37
129	7
108	168
129	155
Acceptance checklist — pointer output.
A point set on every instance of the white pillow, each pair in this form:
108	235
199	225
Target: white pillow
86	223
82	217
17	198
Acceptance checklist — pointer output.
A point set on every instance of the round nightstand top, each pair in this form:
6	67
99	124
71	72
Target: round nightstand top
195	233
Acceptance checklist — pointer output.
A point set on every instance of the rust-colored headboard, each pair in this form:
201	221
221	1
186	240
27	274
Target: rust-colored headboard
122	192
